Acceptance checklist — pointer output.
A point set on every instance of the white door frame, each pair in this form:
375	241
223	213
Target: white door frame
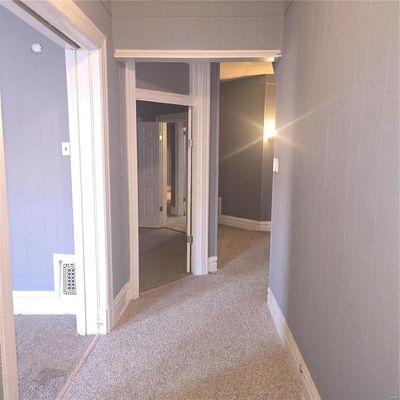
163	171
7	330
89	148
199	100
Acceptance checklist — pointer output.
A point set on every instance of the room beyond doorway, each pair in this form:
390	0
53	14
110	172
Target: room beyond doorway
164	193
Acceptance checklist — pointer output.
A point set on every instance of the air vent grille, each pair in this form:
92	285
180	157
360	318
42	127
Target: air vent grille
69	279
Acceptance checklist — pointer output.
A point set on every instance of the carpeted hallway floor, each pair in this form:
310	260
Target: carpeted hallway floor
48	349
201	338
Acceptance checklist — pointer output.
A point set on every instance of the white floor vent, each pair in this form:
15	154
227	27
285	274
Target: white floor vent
68	278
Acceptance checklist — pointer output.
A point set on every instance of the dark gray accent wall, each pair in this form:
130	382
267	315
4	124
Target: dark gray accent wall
35	120
334	265
242	167
214	161
147	111
100	16
163	76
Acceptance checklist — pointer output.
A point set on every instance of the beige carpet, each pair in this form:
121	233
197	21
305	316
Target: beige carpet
48	349
162	257
207	338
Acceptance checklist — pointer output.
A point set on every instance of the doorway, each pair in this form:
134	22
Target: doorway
40	197
164	193
83	59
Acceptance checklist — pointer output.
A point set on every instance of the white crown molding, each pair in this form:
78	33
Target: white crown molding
196	55
308	388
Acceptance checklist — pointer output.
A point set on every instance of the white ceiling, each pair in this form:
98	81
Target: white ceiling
234	70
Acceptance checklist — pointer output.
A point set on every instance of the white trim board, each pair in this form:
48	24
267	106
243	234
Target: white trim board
47	302
308	388
120	302
196	55
164	97
43	303
243	223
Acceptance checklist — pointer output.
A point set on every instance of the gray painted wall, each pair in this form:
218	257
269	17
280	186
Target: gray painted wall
334	265
214	161
197	24
98	12
241	150
35	120
167	77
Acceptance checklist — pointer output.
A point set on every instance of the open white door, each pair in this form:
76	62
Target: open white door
149	174
189	143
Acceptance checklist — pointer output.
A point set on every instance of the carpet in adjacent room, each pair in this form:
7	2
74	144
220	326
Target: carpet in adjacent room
48	349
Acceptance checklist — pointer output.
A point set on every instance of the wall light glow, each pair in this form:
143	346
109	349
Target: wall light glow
269	130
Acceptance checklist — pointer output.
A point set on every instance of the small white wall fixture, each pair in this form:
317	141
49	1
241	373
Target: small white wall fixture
199	100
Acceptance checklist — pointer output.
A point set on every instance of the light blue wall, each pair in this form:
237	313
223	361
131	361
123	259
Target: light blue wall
35	121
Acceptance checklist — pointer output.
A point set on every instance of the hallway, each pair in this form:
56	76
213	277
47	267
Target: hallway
208	337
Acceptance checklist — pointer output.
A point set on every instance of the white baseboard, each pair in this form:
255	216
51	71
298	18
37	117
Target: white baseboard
308	388
47	302
243	223
43	303
120	303
213	264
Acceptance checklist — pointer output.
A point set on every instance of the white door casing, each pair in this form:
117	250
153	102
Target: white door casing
163	172
149	174
189	141
180	168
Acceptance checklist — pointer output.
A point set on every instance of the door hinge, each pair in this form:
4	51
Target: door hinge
190	142
189	239
161	208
